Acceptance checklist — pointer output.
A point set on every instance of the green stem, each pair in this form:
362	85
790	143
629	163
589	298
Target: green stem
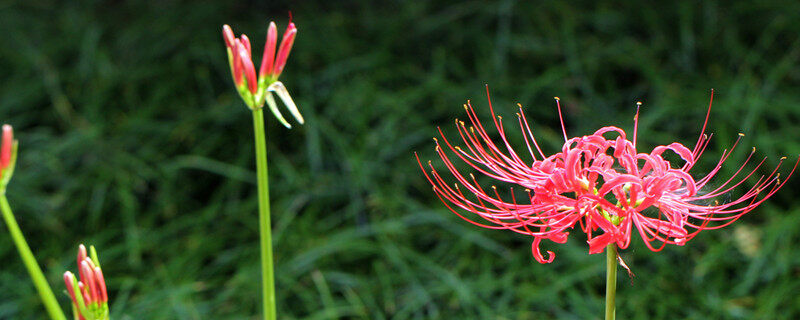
611	281
267	275
48	298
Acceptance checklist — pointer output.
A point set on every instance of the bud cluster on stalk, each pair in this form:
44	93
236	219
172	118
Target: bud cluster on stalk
256	90
88	294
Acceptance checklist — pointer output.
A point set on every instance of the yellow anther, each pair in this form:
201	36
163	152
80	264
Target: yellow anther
557	98
741	134
429	163
783	158
639	103
458	148
500	117
493	187
435	140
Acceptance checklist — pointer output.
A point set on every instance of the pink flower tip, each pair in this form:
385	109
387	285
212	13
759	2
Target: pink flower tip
81	253
227	34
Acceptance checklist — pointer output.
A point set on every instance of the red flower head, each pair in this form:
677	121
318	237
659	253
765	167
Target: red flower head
256	90
599	182
89	295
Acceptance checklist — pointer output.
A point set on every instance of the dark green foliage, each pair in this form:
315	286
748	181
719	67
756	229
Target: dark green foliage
132	138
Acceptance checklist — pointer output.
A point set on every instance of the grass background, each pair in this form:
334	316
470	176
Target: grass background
133	139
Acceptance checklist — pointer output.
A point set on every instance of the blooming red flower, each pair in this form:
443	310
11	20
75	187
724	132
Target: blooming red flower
599	182
89	295
256	90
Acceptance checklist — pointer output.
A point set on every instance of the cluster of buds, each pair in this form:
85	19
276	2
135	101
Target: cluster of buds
8	156
602	184
89	295
255	91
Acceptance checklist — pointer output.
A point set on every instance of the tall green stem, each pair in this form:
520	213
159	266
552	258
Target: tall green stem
49	300
611	281
267	276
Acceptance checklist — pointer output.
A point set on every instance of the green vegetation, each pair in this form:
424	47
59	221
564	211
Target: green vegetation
132	137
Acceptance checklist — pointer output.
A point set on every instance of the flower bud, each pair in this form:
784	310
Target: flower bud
269	51
285	48
7	147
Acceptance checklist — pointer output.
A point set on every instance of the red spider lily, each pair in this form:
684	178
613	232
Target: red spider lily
256	90
597	182
89	295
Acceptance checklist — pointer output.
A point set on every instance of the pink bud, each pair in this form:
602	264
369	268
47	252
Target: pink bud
237	63
68	280
89	281
269	51
248	69
81	253
246	43
101	284
7	145
86	296
285	48
227	34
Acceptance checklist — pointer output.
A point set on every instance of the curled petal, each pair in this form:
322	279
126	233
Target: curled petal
599	243
538	254
282	93
275	111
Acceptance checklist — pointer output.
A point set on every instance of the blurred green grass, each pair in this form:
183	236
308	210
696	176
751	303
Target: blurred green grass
132	138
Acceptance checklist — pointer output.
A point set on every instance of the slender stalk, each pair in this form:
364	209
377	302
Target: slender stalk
49	300
611	281
267	275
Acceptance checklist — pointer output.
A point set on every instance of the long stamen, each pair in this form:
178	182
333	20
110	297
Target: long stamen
636	122
561	118
705	123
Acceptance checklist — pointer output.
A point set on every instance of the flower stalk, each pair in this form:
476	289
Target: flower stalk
611	281
264	224
255	92
8	157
